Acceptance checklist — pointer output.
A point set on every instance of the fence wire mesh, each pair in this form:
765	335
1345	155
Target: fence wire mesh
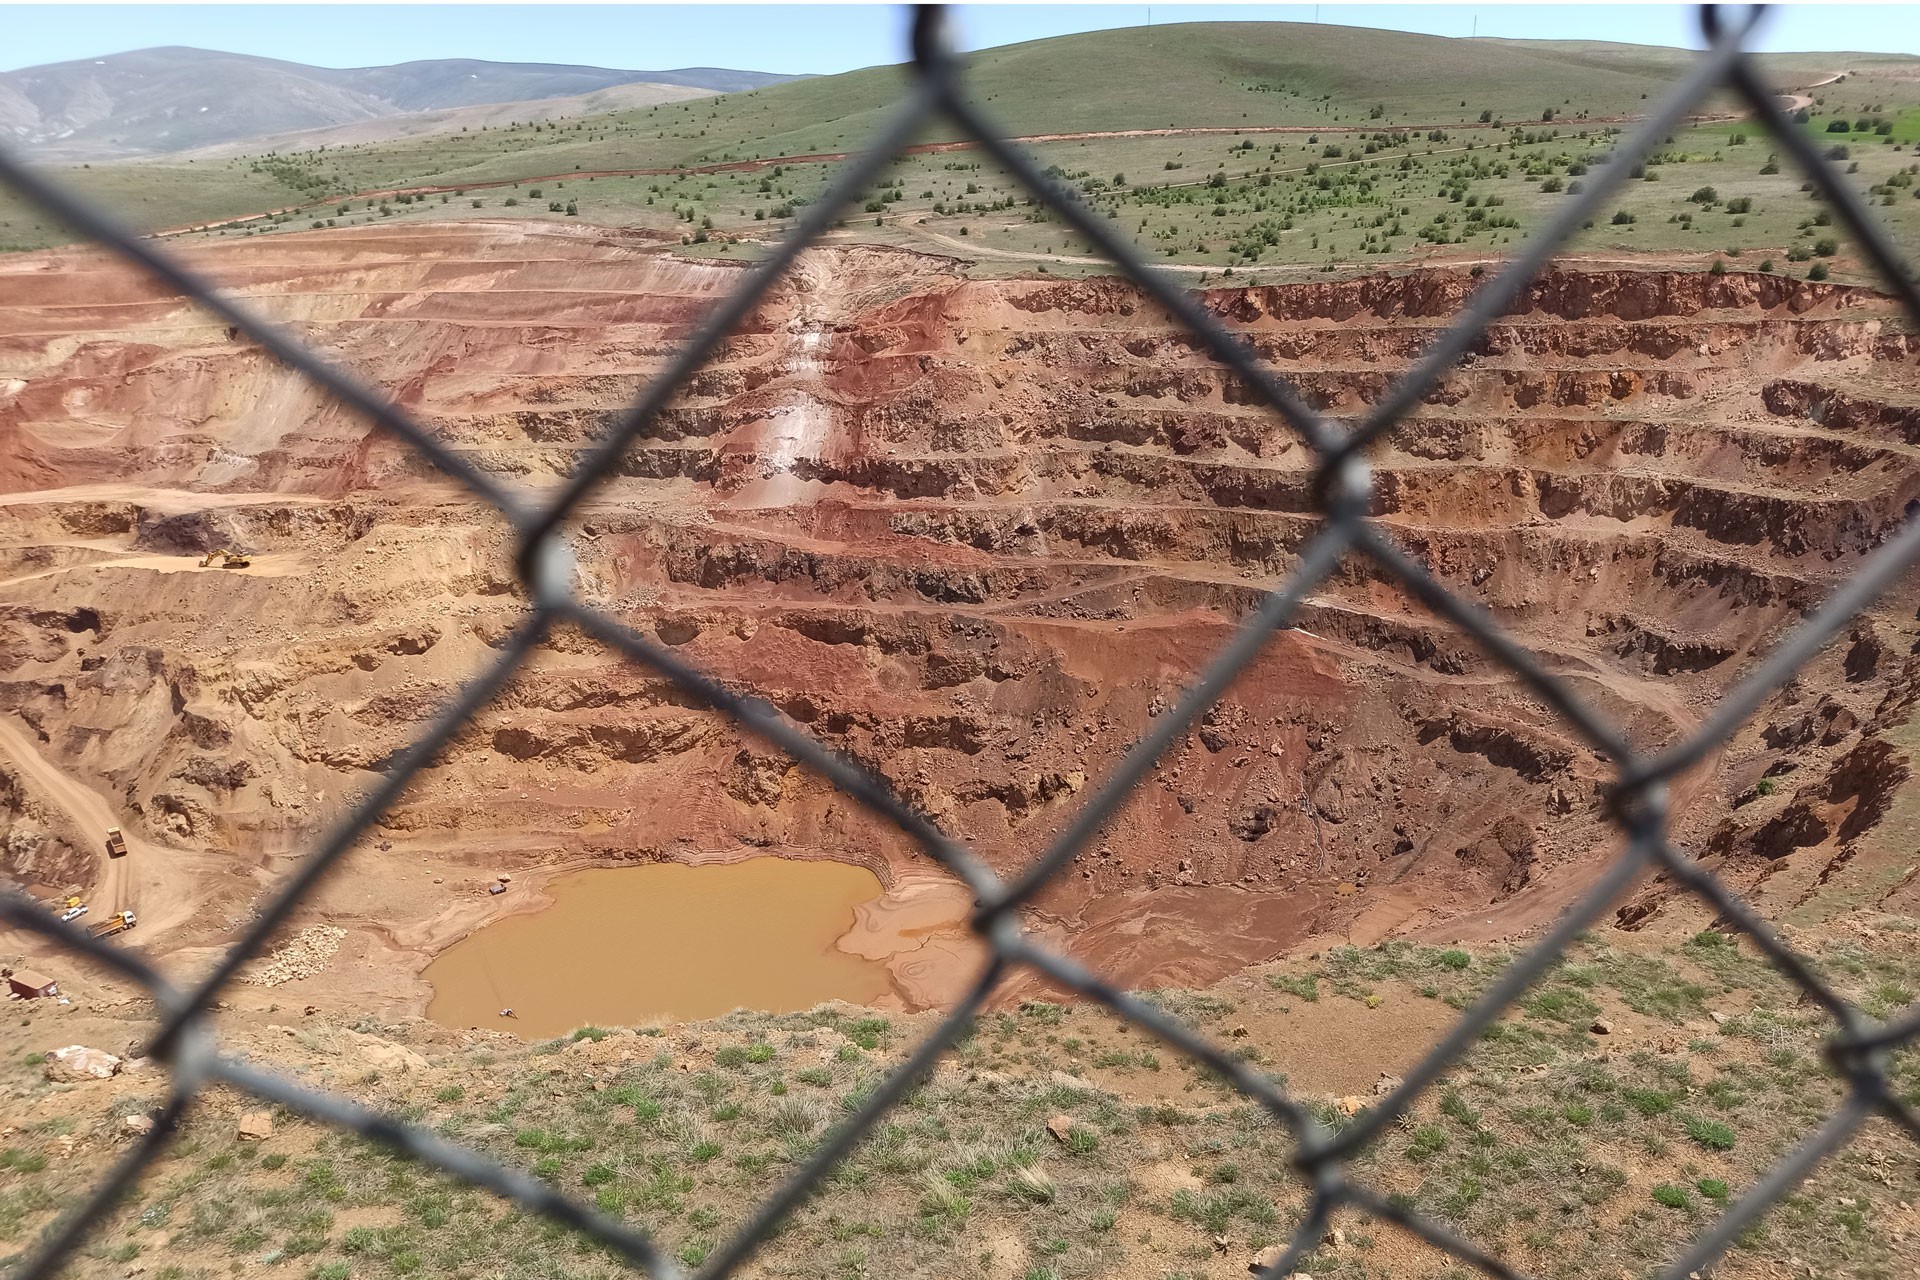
1857	1051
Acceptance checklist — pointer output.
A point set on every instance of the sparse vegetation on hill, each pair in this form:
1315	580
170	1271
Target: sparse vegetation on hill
1415	124
1055	1142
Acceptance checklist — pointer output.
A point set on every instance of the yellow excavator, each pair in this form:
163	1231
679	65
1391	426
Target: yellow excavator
221	558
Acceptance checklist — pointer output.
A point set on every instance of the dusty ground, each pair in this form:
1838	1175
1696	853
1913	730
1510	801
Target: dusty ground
974	533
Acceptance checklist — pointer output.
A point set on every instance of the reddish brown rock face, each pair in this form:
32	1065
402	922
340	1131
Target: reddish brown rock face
976	534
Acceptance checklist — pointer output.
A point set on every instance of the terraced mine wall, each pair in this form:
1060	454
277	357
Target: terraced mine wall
975	534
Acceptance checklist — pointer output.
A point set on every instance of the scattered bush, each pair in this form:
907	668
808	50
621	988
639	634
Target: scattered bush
1714	1135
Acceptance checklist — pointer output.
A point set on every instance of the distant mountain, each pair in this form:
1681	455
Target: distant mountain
421	124
157	101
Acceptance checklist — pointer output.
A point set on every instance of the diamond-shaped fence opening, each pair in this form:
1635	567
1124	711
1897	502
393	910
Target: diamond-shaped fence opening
1859	1050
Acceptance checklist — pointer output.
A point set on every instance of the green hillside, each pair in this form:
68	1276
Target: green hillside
1191	75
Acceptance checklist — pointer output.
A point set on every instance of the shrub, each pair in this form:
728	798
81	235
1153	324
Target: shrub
1705	195
795	1116
1766	268
1740	204
1670	1196
1428	1140
1714	1135
1719	268
1766	786
1454	958
1302	986
1819	271
1622	218
1713	1189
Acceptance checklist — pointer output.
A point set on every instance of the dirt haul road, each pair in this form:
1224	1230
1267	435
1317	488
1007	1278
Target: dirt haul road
153	881
975	534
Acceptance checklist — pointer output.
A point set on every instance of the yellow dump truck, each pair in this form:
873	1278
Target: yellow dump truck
116	843
118	923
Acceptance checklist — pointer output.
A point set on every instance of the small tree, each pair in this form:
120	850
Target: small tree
1817	272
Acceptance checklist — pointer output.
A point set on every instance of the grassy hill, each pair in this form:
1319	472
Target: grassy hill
1191	75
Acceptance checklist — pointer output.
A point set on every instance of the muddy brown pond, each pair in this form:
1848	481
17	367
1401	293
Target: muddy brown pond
626	945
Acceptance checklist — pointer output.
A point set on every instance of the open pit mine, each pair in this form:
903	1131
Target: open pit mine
974	533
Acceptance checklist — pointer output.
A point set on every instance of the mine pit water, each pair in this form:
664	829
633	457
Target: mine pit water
629	945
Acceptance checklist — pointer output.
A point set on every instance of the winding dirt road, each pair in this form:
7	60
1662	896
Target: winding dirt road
155	882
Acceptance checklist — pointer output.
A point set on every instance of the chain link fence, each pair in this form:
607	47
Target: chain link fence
1857	1051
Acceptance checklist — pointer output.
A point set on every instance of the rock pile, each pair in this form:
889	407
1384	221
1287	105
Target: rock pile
304	956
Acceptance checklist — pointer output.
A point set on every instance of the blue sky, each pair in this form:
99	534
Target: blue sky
820	39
